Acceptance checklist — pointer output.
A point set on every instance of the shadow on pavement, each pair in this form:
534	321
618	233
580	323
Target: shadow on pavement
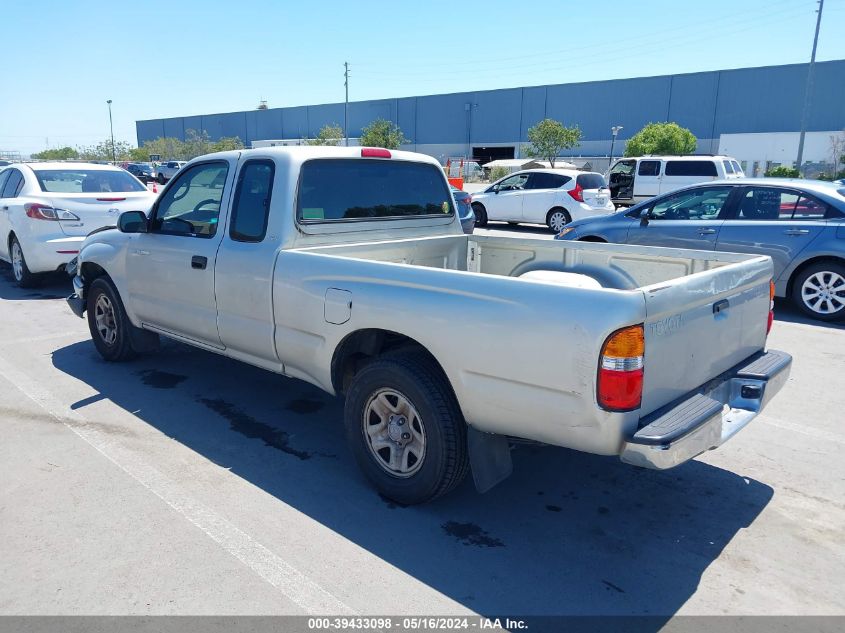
568	533
55	285
785	311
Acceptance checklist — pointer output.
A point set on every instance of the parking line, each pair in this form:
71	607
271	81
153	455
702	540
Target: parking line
297	587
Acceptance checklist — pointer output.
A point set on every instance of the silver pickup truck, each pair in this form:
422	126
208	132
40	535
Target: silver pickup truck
347	268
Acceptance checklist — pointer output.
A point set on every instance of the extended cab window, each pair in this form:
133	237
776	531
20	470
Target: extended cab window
191	205
344	189
251	208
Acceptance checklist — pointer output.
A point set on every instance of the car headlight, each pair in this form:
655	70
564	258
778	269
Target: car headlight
566	230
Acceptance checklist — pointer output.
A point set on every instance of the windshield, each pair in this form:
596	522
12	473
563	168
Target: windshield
360	189
624	167
86	181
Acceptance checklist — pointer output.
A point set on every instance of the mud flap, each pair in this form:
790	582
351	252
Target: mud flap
489	458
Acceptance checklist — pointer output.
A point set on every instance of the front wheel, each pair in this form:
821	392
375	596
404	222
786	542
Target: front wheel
405	428
110	328
480	214
23	277
557	218
819	291
161	179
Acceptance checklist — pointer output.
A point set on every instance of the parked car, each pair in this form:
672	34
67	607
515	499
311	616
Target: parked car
553	197
463	200
351	271
47	209
800	224
4	163
634	180
144	172
167	170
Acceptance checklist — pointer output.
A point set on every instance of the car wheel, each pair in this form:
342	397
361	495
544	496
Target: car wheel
819	291
110	327
405	428
160	179
557	218
20	270
480	214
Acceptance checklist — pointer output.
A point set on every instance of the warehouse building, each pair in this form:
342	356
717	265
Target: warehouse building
753	114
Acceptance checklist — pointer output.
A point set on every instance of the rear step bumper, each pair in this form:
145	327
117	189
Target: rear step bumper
710	416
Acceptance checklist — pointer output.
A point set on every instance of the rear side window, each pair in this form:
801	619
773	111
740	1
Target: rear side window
649	168
590	181
769	203
547	181
251	208
343	189
13	185
3	176
729	168
737	168
691	168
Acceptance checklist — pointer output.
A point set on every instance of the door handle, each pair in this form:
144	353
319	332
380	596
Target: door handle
198	261
706	231
721	306
796	232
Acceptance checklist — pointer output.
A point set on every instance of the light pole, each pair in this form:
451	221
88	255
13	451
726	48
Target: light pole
111	129
808	88
614	130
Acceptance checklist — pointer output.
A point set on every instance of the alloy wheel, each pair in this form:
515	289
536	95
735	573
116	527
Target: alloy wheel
394	433
824	292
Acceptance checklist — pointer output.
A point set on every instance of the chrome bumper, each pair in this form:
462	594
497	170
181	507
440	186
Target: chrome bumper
76	301
709	417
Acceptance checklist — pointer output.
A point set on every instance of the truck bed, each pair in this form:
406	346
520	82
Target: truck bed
463	299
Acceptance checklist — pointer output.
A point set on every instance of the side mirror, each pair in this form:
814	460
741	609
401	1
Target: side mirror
132	222
644	215
496	188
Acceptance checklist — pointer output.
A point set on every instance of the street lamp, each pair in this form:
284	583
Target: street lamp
111	128
614	130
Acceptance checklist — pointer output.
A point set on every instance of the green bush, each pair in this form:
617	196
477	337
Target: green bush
782	171
498	172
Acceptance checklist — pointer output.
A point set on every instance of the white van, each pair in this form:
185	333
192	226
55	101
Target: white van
633	180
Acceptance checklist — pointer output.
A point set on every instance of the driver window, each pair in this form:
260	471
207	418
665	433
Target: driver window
517	181
191	205
697	204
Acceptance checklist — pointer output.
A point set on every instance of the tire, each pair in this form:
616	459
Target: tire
161	179
557	218
819	291
418	408
110	328
480	214
20	271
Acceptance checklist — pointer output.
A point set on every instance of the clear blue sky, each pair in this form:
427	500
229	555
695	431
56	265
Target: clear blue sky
63	59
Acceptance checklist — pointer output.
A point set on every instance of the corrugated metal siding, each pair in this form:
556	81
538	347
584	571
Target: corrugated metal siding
765	99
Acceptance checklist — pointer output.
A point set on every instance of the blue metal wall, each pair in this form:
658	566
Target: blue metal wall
746	100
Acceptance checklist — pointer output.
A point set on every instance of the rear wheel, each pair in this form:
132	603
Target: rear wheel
406	429
20	270
557	218
480	214
160	179
819	291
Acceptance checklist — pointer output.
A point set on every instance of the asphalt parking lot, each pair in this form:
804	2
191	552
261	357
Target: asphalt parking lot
187	483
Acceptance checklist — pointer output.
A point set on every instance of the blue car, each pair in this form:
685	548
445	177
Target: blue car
464	209
800	224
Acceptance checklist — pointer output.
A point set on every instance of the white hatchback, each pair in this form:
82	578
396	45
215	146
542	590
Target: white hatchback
553	197
47	209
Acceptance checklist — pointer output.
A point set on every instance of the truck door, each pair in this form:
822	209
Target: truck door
171	268
245	262
621	181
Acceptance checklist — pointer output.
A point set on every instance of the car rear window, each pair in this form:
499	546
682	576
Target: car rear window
590	181
691	168
87	181
343	189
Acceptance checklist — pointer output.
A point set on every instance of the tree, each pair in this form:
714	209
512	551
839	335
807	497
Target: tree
61	153
226	144
782	171
330	134
549	137
382	133
661	138
103	151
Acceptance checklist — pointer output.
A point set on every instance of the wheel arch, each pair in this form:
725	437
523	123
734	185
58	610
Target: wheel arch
361	345
812	261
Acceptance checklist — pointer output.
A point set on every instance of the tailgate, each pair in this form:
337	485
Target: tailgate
701	325
96	210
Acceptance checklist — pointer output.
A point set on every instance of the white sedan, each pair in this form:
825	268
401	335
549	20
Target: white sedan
47	209
553	197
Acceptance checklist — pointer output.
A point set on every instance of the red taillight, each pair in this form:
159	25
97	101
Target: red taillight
375	152
577	192
38	211
620	381
771	307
